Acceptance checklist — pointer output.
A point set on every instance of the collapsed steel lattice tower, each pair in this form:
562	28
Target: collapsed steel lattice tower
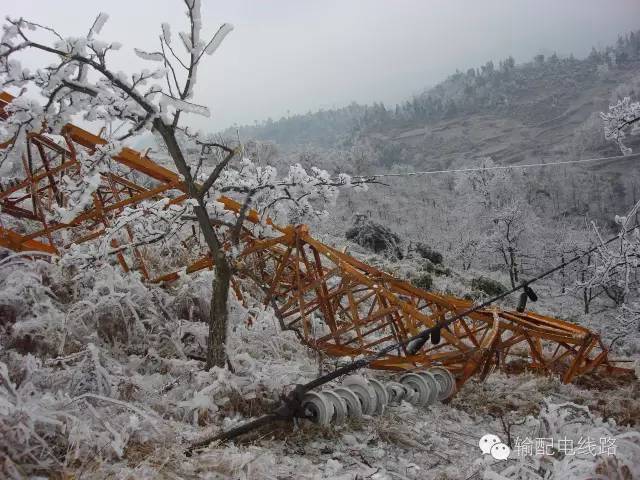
338	304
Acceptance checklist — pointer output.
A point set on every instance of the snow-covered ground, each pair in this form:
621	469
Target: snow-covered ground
99	378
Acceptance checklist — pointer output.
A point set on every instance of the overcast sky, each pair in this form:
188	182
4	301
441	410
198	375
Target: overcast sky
300	55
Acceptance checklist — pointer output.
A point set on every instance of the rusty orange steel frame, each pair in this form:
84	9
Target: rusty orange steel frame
338	304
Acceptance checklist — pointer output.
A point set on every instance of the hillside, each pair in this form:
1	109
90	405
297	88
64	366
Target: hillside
308	298
510	112
542	111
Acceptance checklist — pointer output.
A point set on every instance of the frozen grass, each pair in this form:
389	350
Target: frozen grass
98	380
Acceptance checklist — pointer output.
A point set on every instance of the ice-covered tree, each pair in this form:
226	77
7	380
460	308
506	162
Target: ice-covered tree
612	270
492	217
622	118
80	81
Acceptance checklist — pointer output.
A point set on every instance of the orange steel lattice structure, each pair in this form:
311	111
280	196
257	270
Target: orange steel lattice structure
338	304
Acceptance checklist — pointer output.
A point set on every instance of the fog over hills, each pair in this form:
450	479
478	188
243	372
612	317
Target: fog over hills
510	112
545	110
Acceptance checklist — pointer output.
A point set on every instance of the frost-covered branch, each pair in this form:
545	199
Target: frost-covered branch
80	82
615	267
622	118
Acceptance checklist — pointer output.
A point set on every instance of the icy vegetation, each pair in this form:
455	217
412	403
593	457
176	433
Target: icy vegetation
95	364
374	237
101	376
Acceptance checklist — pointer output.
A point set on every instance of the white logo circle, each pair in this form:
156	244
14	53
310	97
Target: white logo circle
487	441
500	451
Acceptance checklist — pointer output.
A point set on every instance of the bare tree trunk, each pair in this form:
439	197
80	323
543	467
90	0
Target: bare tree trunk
586	298
219	315
586	291
514	267
563	280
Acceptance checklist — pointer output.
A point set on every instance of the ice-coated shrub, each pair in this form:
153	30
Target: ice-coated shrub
488	286
375	237
430	254
424	281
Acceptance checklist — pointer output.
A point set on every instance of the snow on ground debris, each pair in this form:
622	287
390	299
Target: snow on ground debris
100	377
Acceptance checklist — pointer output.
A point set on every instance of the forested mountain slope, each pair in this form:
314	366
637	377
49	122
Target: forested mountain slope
544	107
